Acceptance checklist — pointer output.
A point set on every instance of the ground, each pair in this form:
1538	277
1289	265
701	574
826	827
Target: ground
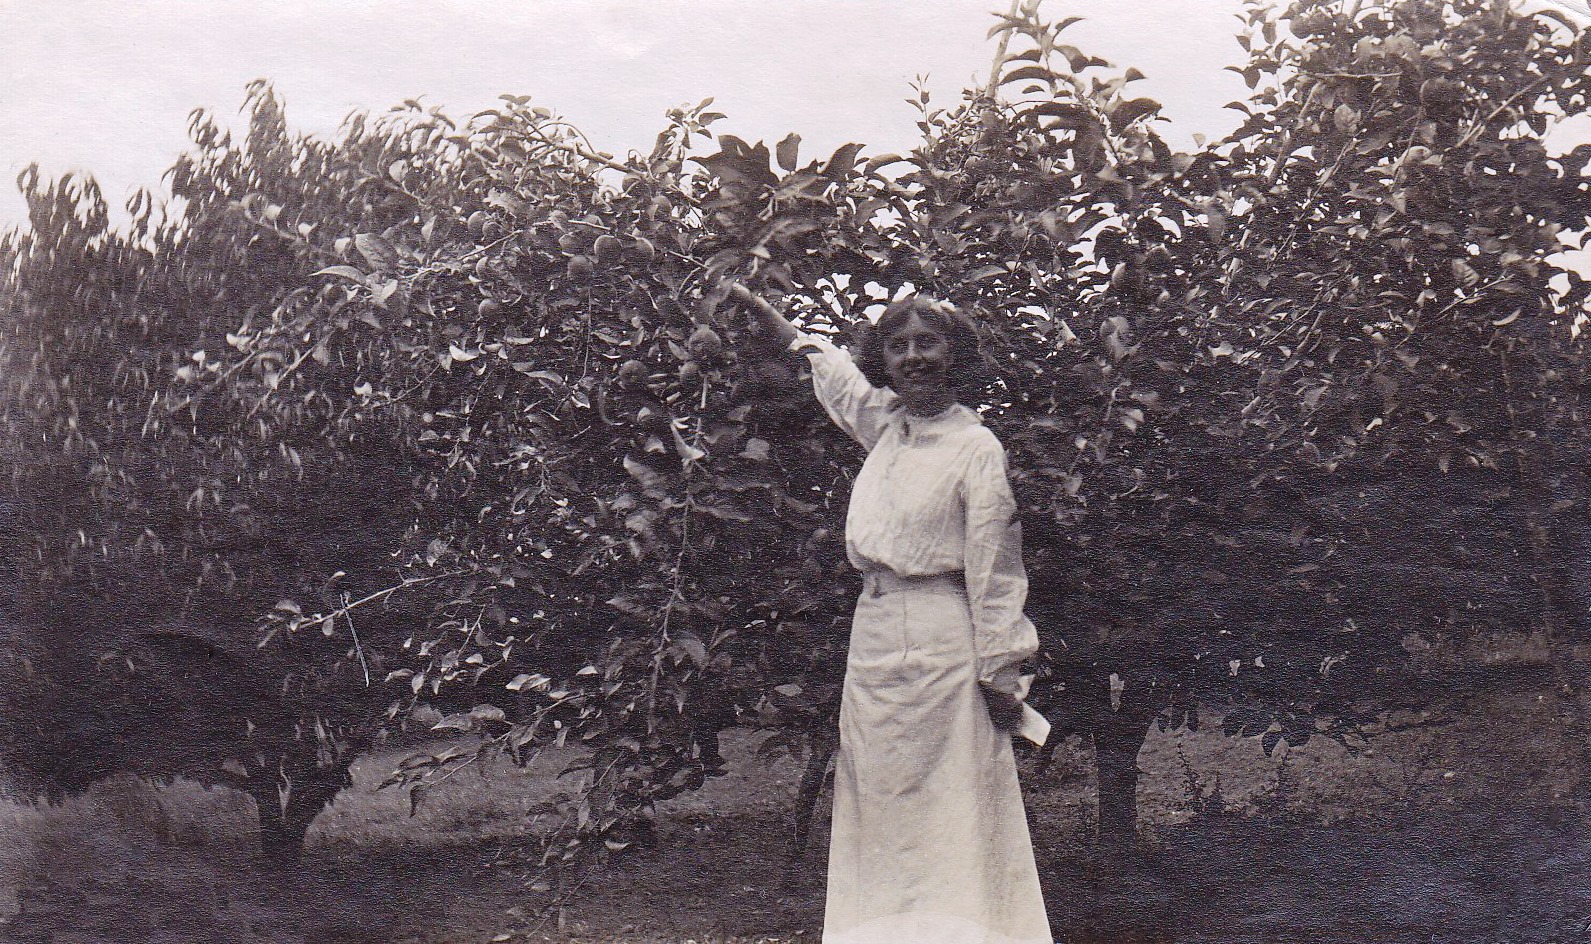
1468	832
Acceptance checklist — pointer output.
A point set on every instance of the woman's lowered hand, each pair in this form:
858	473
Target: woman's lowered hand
1005	709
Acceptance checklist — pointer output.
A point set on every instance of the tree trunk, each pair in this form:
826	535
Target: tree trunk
1550	485
1118	736
281	839
286	811
819	754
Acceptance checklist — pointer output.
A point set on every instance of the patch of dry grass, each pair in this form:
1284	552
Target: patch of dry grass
130	862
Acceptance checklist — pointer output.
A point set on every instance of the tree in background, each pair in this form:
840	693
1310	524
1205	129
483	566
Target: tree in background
154	517
455	414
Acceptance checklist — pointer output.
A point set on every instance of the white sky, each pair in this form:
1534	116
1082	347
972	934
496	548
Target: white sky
105	86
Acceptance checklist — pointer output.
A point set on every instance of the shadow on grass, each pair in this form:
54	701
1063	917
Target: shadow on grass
711	877
1495	876
136	865
227	896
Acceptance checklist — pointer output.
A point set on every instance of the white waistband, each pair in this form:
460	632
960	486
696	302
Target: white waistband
884	580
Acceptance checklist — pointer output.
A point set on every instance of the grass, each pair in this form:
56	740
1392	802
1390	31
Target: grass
1469	832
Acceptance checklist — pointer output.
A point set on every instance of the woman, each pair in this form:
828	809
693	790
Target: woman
930	844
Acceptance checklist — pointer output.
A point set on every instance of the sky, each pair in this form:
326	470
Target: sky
106	86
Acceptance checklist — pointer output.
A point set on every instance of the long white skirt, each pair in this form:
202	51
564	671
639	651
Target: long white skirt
930	843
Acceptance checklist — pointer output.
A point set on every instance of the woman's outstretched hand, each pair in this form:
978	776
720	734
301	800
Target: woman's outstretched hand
766	320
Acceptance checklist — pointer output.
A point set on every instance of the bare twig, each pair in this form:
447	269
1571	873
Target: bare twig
323	619
357	647
280	377
581	152
999	52
1480	126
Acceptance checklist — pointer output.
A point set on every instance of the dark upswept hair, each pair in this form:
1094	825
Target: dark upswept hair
969	371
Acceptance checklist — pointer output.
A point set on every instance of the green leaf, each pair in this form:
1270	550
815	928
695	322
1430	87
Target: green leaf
1077	60
455	722
842	162
786	151
345	271
1125	113
882	160
688	453
1006	24
551	378
694	648
506	201
533	681
377	251
384	291
488	713
1068	115
1029	73
1551	14
642	473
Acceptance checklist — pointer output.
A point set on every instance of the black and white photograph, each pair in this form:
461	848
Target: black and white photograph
774	471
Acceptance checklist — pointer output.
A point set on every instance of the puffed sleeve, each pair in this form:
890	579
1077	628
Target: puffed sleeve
856	406
997	583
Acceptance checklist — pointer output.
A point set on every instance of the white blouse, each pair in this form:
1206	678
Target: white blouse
932	498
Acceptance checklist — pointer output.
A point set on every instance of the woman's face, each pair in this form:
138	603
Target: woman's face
917	360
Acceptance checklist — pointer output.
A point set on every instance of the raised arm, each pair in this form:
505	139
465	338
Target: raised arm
855	405
766	320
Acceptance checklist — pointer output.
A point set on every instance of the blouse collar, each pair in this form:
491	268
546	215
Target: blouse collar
915	429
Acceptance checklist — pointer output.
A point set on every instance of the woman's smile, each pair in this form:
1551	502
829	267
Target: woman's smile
917	359
921	373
